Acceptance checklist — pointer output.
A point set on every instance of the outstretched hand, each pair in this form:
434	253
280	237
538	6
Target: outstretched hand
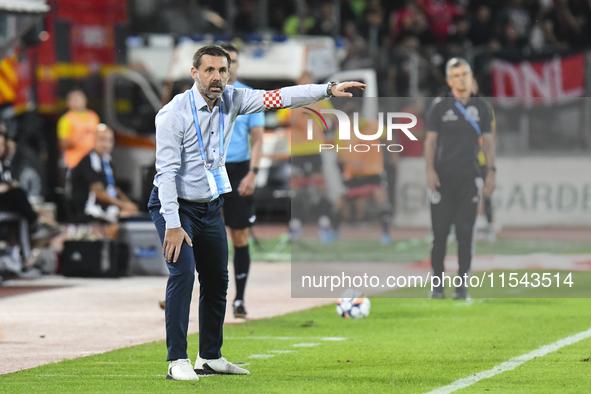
339	90
247	185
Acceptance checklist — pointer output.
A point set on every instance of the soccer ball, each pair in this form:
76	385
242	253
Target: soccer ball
353	304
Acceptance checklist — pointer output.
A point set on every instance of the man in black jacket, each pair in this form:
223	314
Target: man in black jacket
457	127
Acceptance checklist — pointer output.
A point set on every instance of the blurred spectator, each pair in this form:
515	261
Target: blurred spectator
92	189
441	14
248	15
357	51
549	38
514	23
278	13
512	44
481	30
75	129
326	21
570	22
459	39
7	156
410	21
14	199
351	11
294	25
405	59
373	19
537	39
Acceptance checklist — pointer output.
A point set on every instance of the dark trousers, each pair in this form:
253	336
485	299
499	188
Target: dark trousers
487	201
209	257
457	204
15	200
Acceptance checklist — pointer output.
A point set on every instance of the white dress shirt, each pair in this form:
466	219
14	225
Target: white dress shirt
180	171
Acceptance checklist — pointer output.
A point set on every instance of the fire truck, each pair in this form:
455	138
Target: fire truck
49	47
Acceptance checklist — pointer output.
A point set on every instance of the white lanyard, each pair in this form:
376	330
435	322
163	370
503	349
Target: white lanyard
198	129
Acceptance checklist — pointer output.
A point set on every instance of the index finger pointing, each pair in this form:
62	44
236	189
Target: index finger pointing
354	84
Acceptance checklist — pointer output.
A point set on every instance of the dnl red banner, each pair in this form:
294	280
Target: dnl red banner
539	82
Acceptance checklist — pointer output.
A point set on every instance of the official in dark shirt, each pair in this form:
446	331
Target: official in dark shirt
458	126
93	193
12	197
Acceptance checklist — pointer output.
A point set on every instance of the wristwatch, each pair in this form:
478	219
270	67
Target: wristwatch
255	170
329	88
492	169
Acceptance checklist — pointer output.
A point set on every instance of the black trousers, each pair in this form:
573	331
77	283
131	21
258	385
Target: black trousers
455	202
209	257
15	200
488	207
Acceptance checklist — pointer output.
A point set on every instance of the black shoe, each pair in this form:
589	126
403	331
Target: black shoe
461	293
437	293
239	309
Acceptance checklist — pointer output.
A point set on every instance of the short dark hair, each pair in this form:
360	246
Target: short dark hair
229	47
211	50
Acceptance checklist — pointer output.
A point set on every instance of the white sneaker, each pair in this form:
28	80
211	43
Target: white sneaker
219	366
181	369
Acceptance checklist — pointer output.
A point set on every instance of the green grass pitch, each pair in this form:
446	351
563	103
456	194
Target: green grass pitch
406	345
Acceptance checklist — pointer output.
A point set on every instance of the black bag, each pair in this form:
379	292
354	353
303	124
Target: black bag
104	258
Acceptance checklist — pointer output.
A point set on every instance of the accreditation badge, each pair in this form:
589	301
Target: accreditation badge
218	180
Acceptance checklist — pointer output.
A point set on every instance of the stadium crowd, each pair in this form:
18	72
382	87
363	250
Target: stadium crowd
392	36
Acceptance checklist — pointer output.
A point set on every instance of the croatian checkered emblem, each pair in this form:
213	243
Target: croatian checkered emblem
272	99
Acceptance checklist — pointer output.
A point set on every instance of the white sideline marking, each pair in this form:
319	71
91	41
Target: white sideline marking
305	344
512	364
260	355
333	339
282	351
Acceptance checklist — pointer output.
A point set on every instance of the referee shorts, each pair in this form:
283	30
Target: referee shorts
239	212
365	186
